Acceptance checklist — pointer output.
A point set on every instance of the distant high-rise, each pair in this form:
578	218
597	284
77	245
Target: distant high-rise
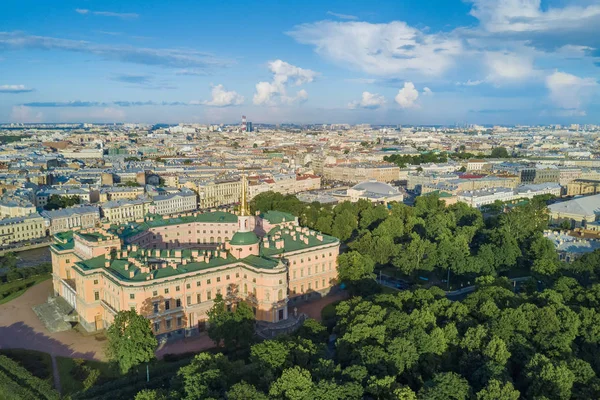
244	127
249	127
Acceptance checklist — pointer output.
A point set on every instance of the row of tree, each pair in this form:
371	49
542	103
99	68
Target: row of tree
494	345
429	238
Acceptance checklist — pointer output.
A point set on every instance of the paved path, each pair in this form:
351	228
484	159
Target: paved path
313	308
21	328
56	374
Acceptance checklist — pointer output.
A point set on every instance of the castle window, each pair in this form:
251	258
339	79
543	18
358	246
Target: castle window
96	296
95	281
166	290
209	295
155	307
218	279
178	303
187	285
155	293
208	281
157	326
199	298
177	288
280	295
168	323
132	296
167	304
197	283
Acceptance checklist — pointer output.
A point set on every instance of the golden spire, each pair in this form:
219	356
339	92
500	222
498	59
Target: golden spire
244	211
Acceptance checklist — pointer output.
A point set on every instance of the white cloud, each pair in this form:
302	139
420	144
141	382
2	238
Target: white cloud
14	89
470	83
570	92
284	75
84	11
342	16
368	100
507	66
427	91
381	49
25	114
174	57
407	96
223	98
527	16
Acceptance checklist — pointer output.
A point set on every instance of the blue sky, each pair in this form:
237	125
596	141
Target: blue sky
384	62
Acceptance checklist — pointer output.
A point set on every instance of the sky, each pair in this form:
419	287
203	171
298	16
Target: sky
386	62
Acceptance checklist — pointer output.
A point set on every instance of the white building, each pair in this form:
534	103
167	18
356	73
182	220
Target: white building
183	201
376	192
478	198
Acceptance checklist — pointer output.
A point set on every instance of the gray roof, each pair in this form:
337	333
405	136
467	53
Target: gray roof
68	212
376	188
586	205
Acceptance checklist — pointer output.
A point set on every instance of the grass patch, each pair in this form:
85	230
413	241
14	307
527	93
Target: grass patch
36	362
19	287
71	378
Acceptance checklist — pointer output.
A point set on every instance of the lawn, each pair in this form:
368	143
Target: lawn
69	371
24	284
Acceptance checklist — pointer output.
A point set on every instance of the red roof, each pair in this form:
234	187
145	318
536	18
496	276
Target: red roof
471	176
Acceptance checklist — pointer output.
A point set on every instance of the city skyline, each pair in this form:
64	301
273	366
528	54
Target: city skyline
481	61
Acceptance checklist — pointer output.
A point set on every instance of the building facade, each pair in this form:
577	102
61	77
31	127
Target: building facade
170	269
123	211
71	218
579	187
360	172
174	203
13	230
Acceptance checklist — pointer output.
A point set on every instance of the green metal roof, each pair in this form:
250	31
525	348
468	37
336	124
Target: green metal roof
277	217
152	221
244	238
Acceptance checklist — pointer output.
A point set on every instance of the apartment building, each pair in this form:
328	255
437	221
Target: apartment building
18	229
174	203
123	211
13	206
579	187
360	172
284	184
218	193
71	218
113	193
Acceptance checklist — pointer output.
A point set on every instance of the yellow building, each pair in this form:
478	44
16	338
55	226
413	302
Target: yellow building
583	186
122	211
18	229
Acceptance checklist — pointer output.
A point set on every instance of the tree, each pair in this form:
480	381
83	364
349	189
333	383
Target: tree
56	202
446	386
245	391
543	256
496	390
353	267
148	394
293	384
235	328
130	340
500	152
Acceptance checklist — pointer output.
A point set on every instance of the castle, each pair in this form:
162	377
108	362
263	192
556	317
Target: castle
171	268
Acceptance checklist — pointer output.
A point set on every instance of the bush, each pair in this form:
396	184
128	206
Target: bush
13	371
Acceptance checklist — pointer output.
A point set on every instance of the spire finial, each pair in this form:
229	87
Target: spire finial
244	211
